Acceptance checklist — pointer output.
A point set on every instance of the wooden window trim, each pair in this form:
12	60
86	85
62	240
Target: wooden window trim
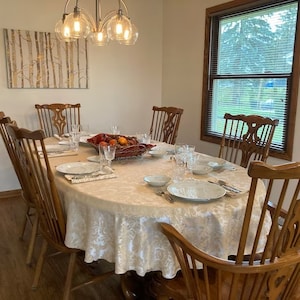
236	6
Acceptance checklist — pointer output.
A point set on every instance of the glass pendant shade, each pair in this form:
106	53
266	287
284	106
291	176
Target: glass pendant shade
99	37
118	27
130	38
79	24
113	26
63	32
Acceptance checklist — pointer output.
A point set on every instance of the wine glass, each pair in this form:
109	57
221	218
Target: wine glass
109	153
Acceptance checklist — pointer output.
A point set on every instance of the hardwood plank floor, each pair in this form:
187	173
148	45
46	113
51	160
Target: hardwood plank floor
16	277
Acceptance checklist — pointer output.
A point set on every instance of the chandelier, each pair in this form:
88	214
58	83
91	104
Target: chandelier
114	26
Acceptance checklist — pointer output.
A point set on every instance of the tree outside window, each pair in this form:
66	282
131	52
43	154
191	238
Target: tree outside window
250	67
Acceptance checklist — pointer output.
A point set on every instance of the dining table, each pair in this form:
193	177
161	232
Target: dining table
117	218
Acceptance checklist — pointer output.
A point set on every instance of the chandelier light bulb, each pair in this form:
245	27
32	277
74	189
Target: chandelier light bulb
63	32
79	24
117	25
130	38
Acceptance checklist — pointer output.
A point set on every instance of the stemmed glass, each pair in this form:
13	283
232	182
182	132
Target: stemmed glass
109	153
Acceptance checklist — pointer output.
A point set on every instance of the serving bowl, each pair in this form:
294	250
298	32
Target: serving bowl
216	163
201	169
130	146
157	180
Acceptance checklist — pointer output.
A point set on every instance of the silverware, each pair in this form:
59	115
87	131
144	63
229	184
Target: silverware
227	187
166	195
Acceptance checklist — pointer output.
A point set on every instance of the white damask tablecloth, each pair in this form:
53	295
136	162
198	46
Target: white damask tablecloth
116	219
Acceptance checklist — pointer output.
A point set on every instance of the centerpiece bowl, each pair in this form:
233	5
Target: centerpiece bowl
126	146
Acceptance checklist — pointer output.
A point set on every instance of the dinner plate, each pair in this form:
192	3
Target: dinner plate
200	191
77	168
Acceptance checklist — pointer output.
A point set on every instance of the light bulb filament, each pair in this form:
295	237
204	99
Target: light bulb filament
119	28
77	26
100	36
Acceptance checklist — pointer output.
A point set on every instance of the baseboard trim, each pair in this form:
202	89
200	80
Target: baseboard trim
10	194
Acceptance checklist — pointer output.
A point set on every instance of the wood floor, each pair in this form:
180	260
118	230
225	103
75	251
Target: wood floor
16	277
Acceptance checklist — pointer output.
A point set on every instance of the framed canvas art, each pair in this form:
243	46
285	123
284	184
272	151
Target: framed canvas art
40	60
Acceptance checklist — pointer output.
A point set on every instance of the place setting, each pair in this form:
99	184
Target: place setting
57	150
79	172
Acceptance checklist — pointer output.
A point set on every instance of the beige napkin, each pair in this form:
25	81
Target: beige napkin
90	177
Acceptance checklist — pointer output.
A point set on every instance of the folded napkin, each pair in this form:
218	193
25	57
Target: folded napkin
90	177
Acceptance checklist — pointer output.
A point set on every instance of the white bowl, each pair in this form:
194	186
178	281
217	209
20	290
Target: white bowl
217	163
157	180
201	169
157	153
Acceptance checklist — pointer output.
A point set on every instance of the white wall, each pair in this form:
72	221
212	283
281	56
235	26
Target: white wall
164	67
125	81
183	48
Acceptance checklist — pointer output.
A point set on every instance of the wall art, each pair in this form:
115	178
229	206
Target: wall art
40	60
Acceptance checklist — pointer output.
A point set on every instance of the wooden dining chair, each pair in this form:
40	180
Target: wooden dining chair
165	123
57	118
40	178
246	138
269	271
30	216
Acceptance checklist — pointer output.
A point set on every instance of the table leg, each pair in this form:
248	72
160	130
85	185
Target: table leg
132	286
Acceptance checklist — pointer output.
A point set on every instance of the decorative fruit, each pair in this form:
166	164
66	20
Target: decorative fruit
122	141
102	143
113	142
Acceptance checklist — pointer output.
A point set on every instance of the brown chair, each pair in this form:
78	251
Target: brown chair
165	124
272	272
57	118
30	215
48	204
246	138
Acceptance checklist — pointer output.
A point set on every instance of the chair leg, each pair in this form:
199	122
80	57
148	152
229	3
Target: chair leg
68	282
24	223
32	240
39	265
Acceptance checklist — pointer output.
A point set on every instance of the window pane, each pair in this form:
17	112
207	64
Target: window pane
250	63
258	42
265	97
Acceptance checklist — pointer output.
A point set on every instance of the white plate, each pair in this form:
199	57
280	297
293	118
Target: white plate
54	148
83	138
95	158
157	153
64	143
163	147
201	191
78	168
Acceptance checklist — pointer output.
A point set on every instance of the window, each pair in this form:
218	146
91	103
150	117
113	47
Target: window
250	67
